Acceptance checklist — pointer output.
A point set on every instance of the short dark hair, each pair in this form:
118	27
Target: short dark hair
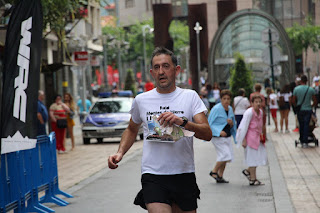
241	91
162	50
255	97
257	87
304	79
225	92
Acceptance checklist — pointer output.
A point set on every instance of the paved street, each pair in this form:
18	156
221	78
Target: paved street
292	178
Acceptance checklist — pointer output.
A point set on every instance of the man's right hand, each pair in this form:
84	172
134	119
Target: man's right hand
113	160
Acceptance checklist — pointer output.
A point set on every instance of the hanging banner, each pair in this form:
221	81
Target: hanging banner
21	77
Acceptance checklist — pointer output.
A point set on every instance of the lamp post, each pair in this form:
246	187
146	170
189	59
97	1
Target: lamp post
198	28
144	27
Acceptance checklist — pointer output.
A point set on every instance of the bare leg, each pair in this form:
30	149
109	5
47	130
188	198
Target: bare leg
252	171
70	129
158	208
218	166
275	123
222	168
282	116
286	115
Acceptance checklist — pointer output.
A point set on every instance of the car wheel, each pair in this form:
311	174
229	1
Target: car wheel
141	136
86	140
100	140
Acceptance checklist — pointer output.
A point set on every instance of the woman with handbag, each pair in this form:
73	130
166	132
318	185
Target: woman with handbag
249	134
68	100
223	126
58	115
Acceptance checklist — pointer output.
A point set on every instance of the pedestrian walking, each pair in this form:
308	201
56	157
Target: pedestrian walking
42	114
223	125
292	86
81	108
168	172
273	106
249	134
58	115
240	105
68	100
302	97
257	88
216	93
284	106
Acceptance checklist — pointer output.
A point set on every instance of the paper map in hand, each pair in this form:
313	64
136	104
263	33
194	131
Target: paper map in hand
169	134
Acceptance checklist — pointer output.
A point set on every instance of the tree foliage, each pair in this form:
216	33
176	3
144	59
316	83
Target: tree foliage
241	76
130	83
179	32
304	37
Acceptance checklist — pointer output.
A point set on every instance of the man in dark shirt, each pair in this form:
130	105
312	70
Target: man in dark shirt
42	114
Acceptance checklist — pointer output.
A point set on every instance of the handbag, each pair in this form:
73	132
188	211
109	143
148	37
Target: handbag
71	114
62	123
298	107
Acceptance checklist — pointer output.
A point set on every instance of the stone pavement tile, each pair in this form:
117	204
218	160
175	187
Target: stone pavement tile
300	167
85	160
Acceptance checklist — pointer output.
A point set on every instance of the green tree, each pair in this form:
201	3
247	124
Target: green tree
179	32
130	83
241	76
304	37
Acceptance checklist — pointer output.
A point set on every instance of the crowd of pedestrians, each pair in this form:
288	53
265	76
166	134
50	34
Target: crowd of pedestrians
167	171
61	117
168	177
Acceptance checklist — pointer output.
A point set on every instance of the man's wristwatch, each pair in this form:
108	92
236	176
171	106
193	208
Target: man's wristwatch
185	121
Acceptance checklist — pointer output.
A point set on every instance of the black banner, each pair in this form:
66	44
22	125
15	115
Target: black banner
21	77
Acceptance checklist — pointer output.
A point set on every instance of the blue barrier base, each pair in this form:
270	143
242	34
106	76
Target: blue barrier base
23	174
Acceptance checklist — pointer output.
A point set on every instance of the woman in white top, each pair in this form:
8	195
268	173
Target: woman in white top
273	105
284	105
240	105
216	93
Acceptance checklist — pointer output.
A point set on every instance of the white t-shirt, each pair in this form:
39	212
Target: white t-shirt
273	98
161	157
241	104
216	94
286	96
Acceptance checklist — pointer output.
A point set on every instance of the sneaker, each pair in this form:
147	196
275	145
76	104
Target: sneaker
295	130
287	131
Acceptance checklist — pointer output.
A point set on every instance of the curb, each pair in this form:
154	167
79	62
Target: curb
282	200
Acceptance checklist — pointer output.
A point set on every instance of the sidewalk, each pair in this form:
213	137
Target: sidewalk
300	167
292	178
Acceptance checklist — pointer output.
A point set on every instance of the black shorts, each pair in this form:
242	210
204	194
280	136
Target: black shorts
285	106
180	189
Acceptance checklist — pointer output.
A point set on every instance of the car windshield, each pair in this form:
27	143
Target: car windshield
111	106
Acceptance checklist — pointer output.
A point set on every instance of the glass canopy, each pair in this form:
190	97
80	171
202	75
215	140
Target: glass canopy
248	35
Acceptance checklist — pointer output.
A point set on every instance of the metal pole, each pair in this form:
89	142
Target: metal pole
198	28
119	65
271	58
144	55
105	64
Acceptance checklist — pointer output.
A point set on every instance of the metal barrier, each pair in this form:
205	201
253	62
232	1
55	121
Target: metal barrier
25	173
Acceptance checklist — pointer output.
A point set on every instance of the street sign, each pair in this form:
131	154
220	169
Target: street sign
265	36
81	57
276	55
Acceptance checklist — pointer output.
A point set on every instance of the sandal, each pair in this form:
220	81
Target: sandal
216	177
222	180
255	183
246	173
